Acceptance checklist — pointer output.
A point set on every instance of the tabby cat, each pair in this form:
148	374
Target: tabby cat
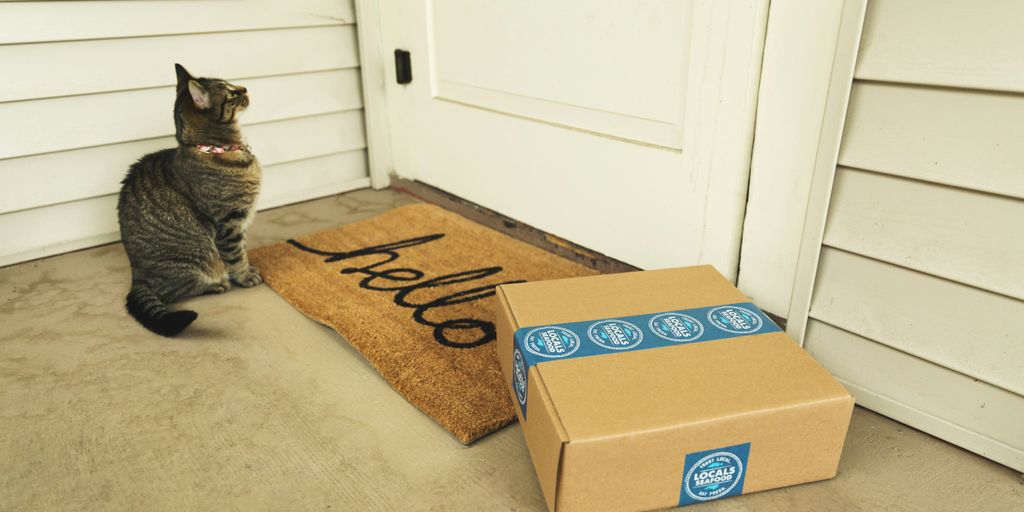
184	211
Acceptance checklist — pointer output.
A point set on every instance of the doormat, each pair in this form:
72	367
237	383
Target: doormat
411	290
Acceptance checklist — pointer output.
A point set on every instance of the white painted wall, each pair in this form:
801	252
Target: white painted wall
88	89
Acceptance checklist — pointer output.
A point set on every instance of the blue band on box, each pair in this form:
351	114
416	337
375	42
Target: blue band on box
534	345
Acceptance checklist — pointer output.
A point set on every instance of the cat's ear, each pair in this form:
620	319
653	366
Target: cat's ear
183	75
200	97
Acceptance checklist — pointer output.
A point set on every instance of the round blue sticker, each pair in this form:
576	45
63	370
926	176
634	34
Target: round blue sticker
615	334
676	327
713	476
735	319
519	376
552	341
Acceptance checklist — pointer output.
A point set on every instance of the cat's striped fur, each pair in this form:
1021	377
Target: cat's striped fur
184	212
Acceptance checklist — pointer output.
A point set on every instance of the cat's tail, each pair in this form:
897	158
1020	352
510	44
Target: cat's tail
152	313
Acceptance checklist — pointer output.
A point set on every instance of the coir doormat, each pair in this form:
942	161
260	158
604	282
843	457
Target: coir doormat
411	290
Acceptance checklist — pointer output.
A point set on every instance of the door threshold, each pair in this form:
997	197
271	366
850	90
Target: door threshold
511	227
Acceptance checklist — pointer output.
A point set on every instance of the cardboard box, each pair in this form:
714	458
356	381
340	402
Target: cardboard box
647	390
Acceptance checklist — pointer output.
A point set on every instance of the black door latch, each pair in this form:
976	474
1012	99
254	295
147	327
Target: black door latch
403	67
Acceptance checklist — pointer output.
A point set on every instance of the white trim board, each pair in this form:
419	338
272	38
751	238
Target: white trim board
847	45
374	65
807	71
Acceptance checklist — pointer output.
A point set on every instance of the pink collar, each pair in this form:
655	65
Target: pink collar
220	150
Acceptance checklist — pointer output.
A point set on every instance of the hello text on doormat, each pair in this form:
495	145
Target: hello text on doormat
411	289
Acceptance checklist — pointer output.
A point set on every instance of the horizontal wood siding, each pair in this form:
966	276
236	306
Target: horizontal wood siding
920	286
87	67
71	122
963	410
958	234
93	221
90	89
35	22
66	175
950	324
974	44
967	139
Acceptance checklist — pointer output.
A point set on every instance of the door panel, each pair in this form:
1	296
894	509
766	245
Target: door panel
517	58
625	128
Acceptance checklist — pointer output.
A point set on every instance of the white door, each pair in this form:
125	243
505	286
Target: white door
622	126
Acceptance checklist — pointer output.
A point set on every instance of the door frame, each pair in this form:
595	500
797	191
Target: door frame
375	70
802	105
801	109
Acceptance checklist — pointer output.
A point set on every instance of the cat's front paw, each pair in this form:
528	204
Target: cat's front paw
221	287
249	279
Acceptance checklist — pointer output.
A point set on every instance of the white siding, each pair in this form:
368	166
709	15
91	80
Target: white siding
922	315
961	235
920	285
955	407
975	44
88	89
31	22
964	138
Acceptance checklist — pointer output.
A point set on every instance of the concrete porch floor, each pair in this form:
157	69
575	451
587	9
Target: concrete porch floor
256	407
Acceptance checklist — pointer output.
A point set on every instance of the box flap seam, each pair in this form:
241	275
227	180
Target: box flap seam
756	412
